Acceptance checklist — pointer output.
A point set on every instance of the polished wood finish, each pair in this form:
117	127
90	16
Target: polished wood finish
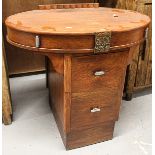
85	88
56	89
81	39
125	20
78	43
139	73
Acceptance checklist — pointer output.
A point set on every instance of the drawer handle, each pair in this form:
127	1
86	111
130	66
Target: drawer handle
37	41
99	73
95	110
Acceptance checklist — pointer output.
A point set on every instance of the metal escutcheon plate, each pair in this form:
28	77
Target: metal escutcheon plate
102	42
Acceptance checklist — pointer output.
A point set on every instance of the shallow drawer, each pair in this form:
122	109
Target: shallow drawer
98	72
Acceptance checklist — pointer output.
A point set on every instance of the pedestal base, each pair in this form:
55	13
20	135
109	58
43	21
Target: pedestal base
85	95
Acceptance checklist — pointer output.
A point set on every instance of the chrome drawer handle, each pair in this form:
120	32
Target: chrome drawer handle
95	110
99	73
37	41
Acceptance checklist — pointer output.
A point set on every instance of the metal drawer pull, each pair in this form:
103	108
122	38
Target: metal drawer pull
37	41
95	110
99	73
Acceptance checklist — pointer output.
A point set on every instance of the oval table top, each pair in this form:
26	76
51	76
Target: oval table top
77	21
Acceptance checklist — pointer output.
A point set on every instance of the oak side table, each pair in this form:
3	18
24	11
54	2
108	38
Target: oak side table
88	51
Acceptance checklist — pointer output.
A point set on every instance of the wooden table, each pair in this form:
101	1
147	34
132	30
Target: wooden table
88	50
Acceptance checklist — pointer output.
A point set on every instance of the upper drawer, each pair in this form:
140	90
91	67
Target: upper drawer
98	72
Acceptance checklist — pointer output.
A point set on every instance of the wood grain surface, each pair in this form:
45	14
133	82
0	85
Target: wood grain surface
84	68
100	133
78	43
94	20
74	36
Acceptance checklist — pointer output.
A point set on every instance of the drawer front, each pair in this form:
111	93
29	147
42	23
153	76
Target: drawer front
98	72
90	116
91	108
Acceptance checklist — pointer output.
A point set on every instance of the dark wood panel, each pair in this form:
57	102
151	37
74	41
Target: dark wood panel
56	88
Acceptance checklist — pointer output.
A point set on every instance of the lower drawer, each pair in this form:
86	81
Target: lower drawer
91	108
91	116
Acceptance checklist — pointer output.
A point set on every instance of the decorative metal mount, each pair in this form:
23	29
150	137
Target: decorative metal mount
102	42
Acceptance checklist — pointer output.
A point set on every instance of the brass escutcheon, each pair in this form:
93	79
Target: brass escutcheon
102	42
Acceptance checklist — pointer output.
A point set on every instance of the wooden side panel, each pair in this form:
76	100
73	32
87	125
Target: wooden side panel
56	89
6	98
59	83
